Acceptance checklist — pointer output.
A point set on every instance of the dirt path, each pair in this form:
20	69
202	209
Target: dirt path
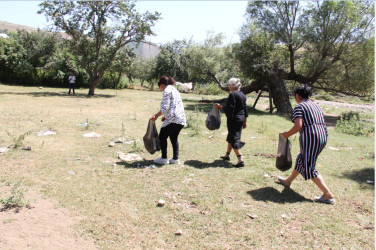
43	226
367	107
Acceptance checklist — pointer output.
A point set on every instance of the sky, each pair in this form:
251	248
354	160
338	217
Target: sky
180	19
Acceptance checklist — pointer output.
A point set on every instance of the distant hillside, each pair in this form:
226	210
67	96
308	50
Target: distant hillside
144	50
8	27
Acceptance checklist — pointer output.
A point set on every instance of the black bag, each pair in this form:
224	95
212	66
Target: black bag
284	161
213	121
151	139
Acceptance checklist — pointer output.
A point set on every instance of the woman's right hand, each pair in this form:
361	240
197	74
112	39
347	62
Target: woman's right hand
154	118
218	106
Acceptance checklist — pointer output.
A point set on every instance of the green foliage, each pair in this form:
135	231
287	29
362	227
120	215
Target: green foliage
350	123
16	199
37	58
171	62
328	44
254	51
209	89
96	43
325	97
210	60
18	140
194	122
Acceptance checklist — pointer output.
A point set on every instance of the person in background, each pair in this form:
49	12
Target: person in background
173	121
236	113
308	120
72	81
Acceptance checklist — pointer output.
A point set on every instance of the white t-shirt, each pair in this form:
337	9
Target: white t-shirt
72	79
172	107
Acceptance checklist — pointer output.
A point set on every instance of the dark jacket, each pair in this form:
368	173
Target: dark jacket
236	107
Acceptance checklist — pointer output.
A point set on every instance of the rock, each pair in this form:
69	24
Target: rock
112	144
129	157
71	172
252	216
161	203
92	135
46	132
179	232
4	149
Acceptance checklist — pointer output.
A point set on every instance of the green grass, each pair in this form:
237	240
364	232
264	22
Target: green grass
206	198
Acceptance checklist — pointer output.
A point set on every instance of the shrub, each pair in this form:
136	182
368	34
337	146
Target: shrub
209	89
194	122
16	199
350	123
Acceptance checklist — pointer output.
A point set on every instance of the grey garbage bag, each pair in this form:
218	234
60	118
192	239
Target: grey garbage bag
284	161
213	121
151	139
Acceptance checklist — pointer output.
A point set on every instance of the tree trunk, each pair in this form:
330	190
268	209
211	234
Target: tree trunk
279	93
93	82
273	79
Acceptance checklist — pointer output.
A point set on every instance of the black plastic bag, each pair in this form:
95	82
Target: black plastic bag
151	139
284	160
213	121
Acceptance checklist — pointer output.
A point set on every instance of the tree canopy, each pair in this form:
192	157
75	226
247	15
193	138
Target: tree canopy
98	31
319	38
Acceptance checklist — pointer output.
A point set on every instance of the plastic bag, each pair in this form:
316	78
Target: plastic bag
213	121
284	161
151	139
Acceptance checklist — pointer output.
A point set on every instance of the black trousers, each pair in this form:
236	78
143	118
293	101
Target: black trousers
71	86
172	130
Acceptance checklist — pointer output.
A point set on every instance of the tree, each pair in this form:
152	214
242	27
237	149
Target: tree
211	60
24	56
122	64
170	61
98	30
318	37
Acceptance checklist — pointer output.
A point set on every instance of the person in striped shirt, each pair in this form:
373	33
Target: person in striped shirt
308	120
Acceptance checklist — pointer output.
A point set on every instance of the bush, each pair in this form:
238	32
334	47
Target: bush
351	124
194	122
325	97
209	89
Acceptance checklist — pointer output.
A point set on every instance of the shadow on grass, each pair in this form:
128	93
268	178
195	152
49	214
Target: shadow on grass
273	195
138	164
59	94
214	164
361	175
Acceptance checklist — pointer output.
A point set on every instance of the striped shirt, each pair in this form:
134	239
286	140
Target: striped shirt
172	107
311	114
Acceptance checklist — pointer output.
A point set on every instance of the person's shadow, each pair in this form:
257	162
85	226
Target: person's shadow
273	195
214	164
192	163
138	164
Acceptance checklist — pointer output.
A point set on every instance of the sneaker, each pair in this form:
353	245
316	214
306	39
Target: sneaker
173	161
161	161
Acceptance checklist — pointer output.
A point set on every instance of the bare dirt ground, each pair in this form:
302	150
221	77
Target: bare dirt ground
367	107
41	226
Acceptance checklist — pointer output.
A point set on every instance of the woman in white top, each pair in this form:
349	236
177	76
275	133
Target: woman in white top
173	121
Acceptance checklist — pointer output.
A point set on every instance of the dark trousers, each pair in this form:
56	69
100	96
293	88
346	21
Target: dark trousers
71	86
172	130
